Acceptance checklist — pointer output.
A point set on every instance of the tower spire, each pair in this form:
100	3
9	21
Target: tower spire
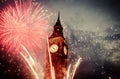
58	29
58	20
58	23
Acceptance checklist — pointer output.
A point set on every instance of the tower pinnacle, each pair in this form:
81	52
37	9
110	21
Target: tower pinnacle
58	23
58	20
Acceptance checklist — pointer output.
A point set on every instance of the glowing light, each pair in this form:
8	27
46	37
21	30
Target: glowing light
72	68
23	24
68	72
23	30
51	67
30	65
76	65
53	48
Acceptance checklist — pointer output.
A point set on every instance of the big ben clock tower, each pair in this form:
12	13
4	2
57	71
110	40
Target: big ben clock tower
58	53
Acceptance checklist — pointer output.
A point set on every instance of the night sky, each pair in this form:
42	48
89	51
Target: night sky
92	29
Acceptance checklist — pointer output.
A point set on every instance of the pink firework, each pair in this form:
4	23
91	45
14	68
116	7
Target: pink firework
24	24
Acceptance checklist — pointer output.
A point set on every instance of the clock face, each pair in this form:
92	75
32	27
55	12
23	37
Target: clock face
65	50
53	48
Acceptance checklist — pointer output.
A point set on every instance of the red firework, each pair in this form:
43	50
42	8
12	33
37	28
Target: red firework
25	24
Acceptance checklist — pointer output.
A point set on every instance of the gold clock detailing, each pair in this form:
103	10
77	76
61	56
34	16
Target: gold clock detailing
65	50
53	48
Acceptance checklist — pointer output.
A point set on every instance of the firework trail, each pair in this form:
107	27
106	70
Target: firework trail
23	30
72	67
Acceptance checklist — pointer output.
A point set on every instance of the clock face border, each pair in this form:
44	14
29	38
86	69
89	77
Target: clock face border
53	48
65	50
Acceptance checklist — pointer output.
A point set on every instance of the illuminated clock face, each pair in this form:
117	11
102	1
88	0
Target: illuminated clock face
65	50
53	48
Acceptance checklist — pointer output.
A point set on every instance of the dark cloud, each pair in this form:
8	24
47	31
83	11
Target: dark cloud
110	6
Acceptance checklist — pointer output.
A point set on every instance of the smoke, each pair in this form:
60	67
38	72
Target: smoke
90	27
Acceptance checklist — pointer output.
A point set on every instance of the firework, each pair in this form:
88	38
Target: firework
23	24
23	30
